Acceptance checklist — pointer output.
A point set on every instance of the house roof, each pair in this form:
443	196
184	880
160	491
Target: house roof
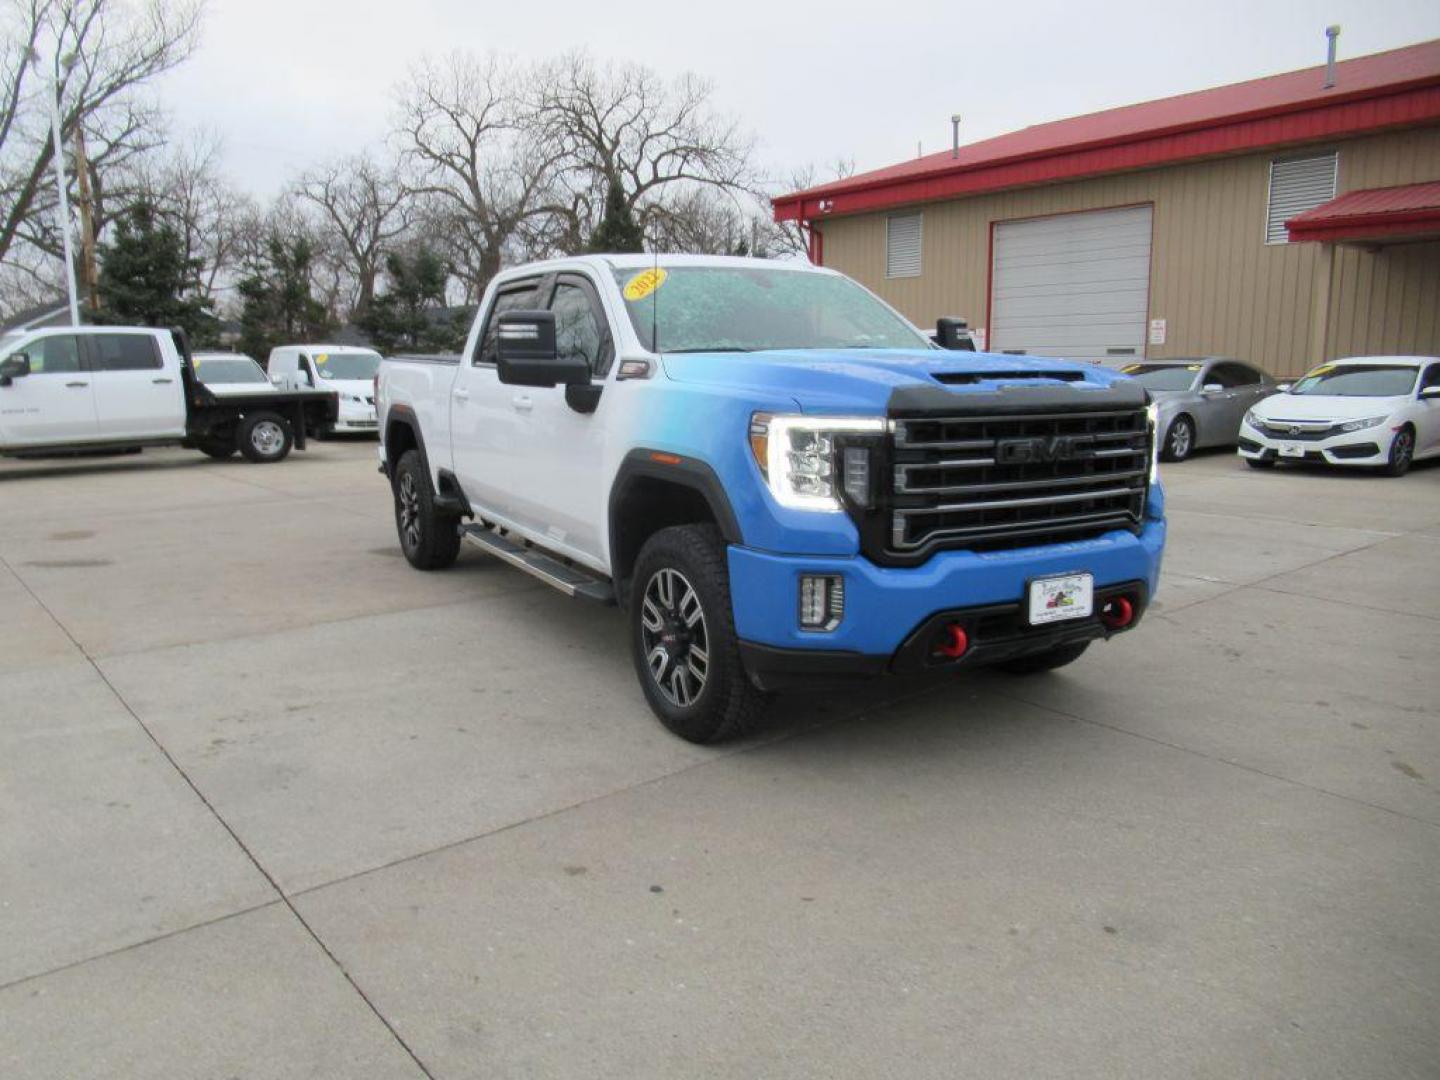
1390	89
1407	212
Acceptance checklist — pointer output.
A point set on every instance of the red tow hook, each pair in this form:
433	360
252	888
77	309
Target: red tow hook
952	642
1117	613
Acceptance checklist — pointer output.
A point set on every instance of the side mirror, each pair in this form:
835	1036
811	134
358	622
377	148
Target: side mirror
14	366
953	334
526	353
1212	388
1430	392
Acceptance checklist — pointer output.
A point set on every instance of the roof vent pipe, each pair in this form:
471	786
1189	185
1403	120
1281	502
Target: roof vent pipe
955	135
1332	34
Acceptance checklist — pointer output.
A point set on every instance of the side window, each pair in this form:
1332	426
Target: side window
1232	375
1431	376
511	299
577	333
124	352
54	355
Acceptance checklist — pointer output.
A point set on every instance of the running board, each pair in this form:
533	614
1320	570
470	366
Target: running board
570	580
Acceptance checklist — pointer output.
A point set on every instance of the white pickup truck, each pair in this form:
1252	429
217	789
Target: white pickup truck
99	388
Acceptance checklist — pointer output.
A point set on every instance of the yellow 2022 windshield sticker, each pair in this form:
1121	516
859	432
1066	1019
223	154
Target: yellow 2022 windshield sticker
644	283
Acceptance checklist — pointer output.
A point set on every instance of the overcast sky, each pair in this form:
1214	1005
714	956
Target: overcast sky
286	83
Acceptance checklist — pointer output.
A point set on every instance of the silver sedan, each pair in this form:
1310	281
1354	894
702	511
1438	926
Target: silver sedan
1200	400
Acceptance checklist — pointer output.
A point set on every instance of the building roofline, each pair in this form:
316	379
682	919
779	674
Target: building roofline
1026	157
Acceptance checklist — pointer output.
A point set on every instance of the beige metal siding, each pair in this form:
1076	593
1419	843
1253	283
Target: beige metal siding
1214	280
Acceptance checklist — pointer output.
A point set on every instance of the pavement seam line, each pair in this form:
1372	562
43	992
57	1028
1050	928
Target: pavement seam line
119	950
250	855
761	743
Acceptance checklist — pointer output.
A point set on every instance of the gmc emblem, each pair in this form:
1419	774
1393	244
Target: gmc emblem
1042	449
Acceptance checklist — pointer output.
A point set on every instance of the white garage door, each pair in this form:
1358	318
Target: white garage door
1074	285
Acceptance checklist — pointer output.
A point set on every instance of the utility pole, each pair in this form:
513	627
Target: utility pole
89	272
62	199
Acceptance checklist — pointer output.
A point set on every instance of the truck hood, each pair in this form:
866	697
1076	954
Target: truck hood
823	380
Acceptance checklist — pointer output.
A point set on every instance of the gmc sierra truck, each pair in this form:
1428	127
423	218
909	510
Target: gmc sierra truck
114	388
779	479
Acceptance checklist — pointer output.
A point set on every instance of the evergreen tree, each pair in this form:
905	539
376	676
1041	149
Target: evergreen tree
618	231
145	279
276	304
411	313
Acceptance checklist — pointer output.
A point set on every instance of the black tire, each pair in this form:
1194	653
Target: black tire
1045	661
704	698
265	438
429	539
1260	463
1402	452
218	447
1179	441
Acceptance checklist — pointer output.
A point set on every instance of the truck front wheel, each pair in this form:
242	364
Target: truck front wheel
683	639
265	438
429	539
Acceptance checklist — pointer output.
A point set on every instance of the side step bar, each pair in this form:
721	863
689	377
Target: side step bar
570	580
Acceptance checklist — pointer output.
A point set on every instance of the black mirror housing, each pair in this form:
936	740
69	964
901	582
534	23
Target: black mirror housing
526	353
953	334
14	366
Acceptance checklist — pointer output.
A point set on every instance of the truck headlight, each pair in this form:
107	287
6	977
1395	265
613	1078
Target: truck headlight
797	456
1361	425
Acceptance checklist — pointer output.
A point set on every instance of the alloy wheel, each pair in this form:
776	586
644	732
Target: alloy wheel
1180	437
409	511
675	637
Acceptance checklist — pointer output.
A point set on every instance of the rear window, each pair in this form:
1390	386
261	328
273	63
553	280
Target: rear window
123	352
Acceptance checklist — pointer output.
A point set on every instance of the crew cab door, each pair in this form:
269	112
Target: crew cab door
53	404
482	422
137	394
558	492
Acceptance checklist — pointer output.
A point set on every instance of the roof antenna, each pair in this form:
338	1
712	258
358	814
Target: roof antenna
955	135
1331	33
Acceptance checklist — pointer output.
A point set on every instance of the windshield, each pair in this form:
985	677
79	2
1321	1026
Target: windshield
747	308
347	365
1357	380
1162	376
228	369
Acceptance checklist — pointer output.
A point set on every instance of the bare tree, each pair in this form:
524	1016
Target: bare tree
624	127
459	128
97	54
792	238
366	209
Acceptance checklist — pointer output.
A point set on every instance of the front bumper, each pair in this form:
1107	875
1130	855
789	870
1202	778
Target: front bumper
1366	447
356	421
888	608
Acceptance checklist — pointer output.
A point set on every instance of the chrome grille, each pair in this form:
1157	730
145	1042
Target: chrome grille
989	482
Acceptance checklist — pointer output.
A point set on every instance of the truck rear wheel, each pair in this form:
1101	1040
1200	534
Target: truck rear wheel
429	539
683	639
265	437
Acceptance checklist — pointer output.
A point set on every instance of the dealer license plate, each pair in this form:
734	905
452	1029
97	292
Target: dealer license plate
1292	449
1058	598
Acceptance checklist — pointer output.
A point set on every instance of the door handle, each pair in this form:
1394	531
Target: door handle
77	384
461	395
161	381
522	402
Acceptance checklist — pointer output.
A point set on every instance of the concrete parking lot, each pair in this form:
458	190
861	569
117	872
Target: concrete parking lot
273	804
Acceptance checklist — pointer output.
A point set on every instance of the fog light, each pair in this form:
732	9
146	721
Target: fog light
822	601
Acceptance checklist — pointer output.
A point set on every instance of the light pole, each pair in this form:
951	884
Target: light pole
62	204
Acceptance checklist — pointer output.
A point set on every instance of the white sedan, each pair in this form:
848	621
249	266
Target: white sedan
1376	411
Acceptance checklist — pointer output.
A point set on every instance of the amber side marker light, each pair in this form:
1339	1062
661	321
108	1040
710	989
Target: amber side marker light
665	459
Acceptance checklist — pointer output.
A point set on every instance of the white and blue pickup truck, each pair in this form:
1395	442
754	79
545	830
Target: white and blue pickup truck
778	478
91	389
